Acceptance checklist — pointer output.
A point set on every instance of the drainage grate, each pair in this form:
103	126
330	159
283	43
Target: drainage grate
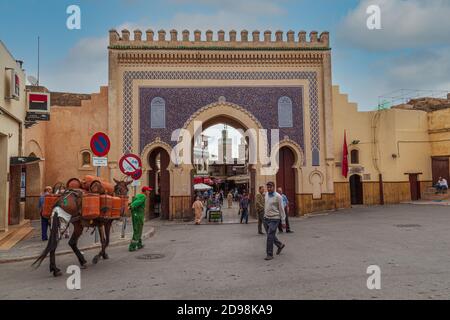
150	256
408	225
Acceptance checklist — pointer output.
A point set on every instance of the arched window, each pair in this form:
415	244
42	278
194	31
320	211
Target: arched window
85	159
158	113
285	112
354	156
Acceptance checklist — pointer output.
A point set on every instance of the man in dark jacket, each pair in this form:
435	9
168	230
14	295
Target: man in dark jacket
44	221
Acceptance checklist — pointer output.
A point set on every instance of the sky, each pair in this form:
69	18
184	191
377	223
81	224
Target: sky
410	51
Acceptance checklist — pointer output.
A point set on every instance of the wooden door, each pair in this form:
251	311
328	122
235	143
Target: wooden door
414	186
356	189
154	196
440	168
286	177
165	184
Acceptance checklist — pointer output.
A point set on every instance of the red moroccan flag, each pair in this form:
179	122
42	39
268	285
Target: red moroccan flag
345	157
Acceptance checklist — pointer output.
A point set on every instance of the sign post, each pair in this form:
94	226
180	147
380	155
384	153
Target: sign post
130	165
100	145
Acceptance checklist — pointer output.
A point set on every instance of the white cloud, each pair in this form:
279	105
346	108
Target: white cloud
85	66
248	7
84	69
405	24
427	69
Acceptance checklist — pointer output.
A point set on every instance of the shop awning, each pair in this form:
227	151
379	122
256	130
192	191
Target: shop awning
21	161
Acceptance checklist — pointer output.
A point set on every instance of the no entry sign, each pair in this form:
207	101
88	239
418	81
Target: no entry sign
100	144
131	165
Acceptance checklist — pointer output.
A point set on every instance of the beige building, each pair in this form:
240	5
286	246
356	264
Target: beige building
389	153
64	142
157	85
12	118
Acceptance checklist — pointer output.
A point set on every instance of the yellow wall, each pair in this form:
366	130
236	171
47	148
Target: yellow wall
439	128
62	139
12	115
402	146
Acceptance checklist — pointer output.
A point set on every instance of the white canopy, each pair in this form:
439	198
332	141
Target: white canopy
202	186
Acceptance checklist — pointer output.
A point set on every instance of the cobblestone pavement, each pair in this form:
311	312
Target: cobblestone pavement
32	246
326	258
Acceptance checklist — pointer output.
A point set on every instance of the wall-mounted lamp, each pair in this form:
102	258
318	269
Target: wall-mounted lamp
394	156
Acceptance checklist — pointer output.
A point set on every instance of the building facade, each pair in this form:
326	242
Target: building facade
160	84
157	86
12	118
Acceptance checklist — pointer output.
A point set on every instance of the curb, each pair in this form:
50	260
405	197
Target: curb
428	203
150	233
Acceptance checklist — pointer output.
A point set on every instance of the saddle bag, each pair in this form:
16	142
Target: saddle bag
90	208
49	202
116	207
106	205
74	183
100	185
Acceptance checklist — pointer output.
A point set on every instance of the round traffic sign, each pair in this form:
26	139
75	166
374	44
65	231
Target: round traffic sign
136	175
130	164
100	144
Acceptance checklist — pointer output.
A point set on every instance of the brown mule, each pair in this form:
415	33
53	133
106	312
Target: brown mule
70	202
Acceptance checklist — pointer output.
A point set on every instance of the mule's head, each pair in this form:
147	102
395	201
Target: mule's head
121	187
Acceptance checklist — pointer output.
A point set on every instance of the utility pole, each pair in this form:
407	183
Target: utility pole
38	66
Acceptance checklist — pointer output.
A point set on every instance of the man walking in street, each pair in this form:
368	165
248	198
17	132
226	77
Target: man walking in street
286	210
230	200
273	215
243	206
44	221
137	207
198	210
260	204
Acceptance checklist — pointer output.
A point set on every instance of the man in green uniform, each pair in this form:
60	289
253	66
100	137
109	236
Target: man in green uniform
137	207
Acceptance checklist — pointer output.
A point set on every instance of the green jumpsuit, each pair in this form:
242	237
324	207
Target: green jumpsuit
137	215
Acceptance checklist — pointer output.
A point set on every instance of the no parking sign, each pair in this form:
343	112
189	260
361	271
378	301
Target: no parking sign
131	165
100	144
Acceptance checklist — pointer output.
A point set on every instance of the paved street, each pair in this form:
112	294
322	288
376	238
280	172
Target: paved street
326	258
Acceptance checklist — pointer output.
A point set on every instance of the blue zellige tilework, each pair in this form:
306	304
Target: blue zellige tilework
182	102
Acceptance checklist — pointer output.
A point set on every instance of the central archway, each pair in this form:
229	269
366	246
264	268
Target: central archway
238	118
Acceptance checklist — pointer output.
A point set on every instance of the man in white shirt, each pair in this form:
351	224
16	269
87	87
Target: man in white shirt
273	215
441	185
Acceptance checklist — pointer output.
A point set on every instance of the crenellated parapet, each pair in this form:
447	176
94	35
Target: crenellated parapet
207	40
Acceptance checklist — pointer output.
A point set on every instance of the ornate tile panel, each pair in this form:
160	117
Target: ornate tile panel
235	95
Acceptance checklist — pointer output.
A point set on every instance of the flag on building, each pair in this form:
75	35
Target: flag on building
345	157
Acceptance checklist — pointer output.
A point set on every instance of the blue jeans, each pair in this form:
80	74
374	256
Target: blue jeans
271	227
44	228
244	215
440	188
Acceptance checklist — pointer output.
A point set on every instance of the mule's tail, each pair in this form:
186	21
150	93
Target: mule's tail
52	242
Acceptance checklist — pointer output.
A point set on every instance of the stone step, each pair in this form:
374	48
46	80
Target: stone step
433	196
15	234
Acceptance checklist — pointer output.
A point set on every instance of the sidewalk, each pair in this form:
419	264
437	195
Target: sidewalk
430	202
32	247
